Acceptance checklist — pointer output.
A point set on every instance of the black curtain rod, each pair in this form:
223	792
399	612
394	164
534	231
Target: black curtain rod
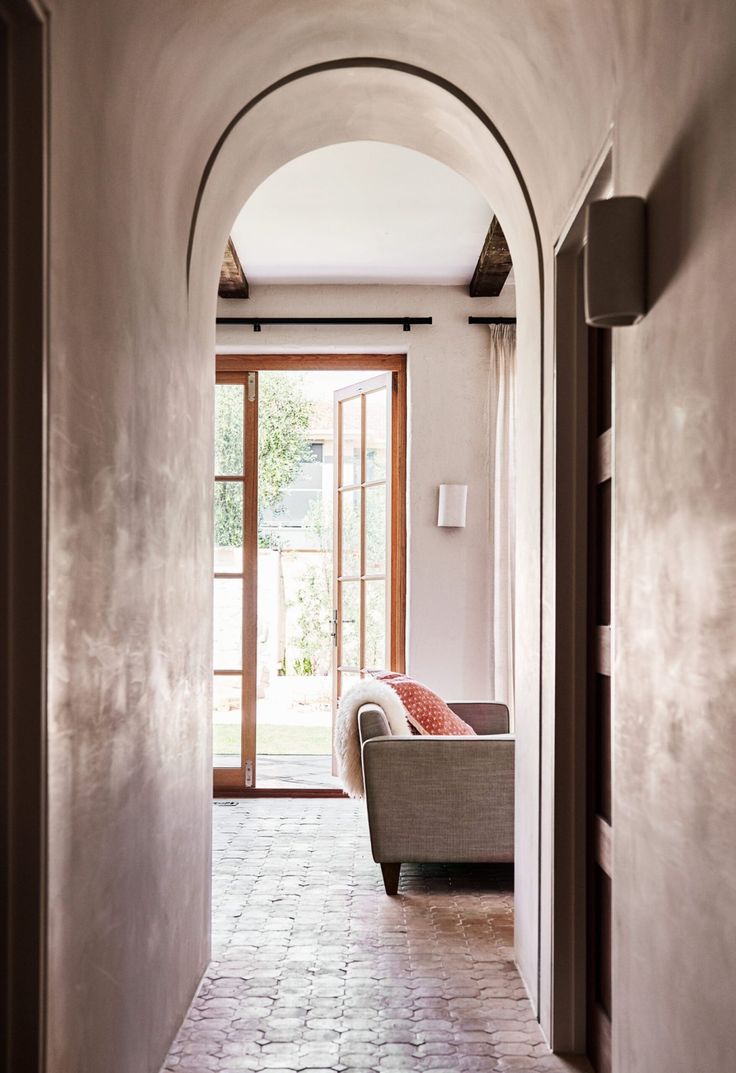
406	322
491	320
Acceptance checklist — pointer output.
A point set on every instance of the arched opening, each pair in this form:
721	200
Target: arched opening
391	103
357	228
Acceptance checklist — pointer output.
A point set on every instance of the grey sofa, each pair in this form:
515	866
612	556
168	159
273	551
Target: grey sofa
447	799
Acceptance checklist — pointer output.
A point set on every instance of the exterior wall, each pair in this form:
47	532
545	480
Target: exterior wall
448	572
140	94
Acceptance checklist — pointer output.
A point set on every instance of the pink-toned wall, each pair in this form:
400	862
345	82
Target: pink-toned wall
448	572
140	92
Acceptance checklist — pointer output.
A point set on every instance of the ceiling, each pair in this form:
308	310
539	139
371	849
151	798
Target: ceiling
362	212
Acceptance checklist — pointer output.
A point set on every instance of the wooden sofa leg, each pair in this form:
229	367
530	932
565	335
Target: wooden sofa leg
391	874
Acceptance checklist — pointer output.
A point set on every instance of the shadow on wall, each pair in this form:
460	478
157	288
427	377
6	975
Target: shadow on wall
680	206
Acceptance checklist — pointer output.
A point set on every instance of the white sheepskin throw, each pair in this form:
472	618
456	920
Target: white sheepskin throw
347	736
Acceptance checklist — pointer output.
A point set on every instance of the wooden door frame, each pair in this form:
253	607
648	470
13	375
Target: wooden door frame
564	831
599	774
24	39
231	368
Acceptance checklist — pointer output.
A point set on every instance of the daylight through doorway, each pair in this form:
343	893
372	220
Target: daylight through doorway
307	582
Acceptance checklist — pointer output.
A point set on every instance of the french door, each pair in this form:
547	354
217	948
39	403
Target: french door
362	535
368	541
235	579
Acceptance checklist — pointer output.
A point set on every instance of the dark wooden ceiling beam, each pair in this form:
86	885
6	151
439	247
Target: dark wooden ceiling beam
494	264
233	283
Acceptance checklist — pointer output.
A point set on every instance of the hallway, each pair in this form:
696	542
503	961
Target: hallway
315	969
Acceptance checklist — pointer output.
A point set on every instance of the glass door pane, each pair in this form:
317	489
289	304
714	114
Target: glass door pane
227	639
376	435
375	625
229	431
228	527
375	529
227	720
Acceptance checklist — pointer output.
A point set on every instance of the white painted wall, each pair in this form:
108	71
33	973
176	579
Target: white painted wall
448	571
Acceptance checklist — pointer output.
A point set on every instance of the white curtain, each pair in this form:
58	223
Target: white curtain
501	438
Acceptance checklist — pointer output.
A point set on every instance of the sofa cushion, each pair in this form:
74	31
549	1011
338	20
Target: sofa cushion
427	713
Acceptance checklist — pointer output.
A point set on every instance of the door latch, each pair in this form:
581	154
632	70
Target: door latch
249	773
251	387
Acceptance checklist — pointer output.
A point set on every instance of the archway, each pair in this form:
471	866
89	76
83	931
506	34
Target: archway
373	99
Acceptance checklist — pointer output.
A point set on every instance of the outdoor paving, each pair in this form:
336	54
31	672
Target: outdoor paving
316	970
285	772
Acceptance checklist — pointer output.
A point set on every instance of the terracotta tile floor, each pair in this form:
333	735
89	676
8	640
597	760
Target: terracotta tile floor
315	970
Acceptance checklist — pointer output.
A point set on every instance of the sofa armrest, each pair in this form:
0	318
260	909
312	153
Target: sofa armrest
372	723
485	717
440	798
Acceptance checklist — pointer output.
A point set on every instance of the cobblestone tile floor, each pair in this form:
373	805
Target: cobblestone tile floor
315	970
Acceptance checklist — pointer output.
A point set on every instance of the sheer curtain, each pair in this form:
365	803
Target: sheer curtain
501	438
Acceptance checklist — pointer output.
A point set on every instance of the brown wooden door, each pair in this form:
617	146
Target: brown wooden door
235	580
599	877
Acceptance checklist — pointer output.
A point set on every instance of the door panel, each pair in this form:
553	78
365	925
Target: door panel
363	424
234	586
227	704
599	870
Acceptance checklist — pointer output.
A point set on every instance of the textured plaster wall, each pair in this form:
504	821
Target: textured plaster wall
675	583
139	94
395	106
448	571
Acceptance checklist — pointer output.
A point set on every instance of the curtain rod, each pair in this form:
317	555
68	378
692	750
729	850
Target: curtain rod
491	320
406	322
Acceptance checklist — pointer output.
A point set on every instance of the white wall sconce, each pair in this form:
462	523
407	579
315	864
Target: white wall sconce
452	506
615	262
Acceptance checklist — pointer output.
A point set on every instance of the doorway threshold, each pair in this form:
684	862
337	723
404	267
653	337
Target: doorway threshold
223	792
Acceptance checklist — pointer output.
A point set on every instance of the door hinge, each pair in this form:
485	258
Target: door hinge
249	773
251	387
333	630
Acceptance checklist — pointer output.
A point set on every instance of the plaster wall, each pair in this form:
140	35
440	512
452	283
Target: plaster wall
392	105
140	93
675	569
448	366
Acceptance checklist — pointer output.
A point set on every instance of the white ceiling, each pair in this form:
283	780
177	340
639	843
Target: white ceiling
362	212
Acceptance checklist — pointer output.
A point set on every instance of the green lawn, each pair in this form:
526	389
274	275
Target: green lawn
301	740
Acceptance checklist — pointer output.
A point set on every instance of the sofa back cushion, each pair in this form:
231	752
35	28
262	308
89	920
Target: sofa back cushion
427	713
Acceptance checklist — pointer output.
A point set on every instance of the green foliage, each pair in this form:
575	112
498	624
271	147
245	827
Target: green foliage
284	414
229	429
303	666
228	514
314	596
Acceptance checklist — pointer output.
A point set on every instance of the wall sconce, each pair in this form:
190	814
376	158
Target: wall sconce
452	505
615	262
